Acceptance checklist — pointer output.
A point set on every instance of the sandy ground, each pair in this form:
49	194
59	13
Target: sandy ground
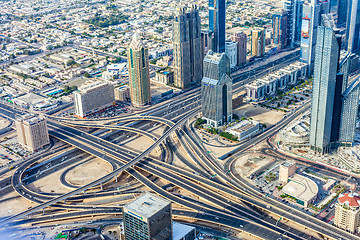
140	144
88	172
247	164
3	123
14	206
262	115
157	88
49	184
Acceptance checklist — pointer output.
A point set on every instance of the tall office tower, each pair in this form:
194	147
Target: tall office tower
138	65
294	20
187	47
231	53
93	96
216	89
279	25
217	23
310	22
258	42
241	40
325	73
32	131
207	38
347	212
350	105
342	9
353	26
148	218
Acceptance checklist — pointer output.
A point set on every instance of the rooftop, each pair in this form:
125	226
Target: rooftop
351	199
147	205
301	187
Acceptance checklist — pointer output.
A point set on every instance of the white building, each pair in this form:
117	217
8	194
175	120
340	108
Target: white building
93	96
244	129
32	131
231	53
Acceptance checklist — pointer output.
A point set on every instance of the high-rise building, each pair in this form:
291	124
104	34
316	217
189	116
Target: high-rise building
138	65
207	39
148	218
258	42
353	26
241	39
231	53
217	23
347	212
92	96
324	88
349	112
216	89
342	9
310	22
279	26
32	131
294	20
187	47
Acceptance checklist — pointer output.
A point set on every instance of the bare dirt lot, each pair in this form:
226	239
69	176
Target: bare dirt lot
88	172
247	164
260	114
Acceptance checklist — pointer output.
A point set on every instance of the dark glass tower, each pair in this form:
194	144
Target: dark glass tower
217	23
353	26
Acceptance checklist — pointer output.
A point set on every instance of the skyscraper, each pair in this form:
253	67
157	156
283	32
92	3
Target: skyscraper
310	22
350	105
217	23
207	39
138	65
342	9
353	26
187	47
279	25
258	42
294	20
148	218
324	88
32	131
241	40
216	89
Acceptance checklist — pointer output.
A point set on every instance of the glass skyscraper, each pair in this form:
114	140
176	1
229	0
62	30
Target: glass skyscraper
138	65
216	89
349	113
217	23
324	88
353	26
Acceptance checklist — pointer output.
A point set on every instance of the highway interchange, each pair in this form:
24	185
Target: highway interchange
221	198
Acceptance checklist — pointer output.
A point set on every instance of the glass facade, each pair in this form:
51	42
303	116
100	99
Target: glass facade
135	228
325	73
217	23
353	26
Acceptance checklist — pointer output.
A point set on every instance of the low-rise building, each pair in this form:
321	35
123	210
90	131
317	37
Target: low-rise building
122	93
255	91
244	129
165	76
271	83
303	189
